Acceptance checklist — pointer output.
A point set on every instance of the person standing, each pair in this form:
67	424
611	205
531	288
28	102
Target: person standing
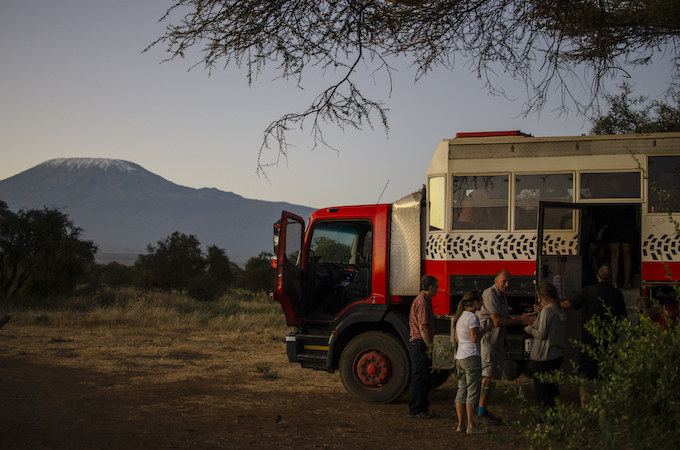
596	299
421	328
495	308
621	234
468	359
550	339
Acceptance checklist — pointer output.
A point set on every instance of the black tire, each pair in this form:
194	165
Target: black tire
375	367
440	377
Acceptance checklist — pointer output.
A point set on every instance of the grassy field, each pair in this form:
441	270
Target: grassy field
127	369
128	330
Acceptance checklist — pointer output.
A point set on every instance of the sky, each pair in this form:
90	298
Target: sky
75	83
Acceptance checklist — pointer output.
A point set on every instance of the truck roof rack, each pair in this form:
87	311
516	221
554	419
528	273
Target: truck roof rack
492	133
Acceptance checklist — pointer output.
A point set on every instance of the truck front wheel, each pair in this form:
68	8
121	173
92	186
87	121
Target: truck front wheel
375	367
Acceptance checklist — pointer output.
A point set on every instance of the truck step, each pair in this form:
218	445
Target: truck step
308	357
317	361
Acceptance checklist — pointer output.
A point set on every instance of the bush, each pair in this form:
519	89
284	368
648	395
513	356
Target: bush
204	287
635	405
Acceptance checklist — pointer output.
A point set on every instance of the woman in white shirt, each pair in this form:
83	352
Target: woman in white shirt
468	359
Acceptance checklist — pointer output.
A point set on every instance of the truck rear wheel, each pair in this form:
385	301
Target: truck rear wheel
375	367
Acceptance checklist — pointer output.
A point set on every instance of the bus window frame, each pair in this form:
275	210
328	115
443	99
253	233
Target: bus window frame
580	199
650	183
535	173
508	213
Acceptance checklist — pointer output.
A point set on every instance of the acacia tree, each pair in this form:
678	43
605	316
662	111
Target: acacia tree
177	259
547	44
219	266
258	274
637	114
43	249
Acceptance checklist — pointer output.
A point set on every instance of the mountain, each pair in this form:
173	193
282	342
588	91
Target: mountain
123	207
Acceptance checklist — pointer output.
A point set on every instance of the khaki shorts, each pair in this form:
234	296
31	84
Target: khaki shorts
492	362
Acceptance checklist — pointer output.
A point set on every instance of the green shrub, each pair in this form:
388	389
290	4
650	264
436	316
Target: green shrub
635	405
204	287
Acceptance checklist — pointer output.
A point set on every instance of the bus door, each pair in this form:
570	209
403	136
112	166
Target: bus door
561	246
287	260
563	238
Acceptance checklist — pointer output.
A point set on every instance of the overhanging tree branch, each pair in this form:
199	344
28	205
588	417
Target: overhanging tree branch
549	45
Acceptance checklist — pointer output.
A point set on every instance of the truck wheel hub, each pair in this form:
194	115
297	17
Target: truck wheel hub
373	368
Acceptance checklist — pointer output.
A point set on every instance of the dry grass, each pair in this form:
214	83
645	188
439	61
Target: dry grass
169	366
150	334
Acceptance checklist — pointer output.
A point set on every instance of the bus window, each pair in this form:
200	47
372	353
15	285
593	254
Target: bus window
480	202
530	189
437	191
610	185
664	174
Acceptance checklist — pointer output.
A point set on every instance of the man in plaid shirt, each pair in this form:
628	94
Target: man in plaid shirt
421	326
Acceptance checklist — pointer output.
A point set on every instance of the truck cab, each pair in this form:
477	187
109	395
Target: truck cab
331	280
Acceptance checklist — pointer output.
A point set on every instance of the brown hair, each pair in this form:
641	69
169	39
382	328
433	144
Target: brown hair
549	292
469	298
427	282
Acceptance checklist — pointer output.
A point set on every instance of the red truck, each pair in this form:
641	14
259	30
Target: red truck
532	206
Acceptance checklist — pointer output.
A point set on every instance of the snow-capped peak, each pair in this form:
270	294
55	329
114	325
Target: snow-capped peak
102	163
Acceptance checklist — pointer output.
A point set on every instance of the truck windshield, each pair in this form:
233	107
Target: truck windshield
333	242
339	265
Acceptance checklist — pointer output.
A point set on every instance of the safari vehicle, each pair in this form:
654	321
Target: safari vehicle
493	201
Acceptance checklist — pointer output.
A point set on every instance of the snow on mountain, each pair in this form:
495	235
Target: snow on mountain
100	163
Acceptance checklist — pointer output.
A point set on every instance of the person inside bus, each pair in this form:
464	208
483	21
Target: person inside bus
495	308
472	214
620	235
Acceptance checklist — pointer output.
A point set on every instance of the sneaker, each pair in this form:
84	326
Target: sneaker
489	419
460	429
475	430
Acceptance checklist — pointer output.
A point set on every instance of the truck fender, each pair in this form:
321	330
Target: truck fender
366	316
400	323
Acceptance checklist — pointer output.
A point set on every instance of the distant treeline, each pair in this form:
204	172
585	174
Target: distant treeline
42	253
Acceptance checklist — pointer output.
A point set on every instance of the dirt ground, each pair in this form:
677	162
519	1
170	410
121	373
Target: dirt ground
61	389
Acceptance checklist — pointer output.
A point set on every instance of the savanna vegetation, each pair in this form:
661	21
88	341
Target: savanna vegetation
43	256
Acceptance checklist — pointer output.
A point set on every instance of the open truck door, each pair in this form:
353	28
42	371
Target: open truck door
287	261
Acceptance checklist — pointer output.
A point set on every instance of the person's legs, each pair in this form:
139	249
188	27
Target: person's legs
420	378
487	387
460	412
627	249
492	360
487	375
474	380
469	380
461	394
546	392
615	251
588	369
470	415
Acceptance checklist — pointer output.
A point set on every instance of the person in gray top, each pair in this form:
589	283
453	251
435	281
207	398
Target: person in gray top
550	338
495	308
